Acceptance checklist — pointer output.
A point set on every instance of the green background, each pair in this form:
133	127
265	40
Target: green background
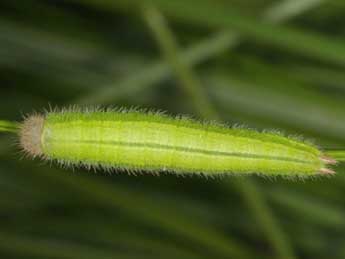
264	64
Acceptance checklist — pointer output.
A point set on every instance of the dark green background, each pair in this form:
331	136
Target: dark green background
264	64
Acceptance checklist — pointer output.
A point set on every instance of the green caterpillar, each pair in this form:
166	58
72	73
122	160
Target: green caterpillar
151	141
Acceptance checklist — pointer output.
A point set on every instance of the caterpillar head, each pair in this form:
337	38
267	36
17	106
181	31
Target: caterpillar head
30	135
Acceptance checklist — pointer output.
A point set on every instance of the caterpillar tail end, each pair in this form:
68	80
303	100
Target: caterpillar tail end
30	135
326	171
327	161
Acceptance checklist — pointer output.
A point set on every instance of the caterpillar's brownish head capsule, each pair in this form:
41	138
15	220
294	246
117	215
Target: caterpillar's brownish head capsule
30	135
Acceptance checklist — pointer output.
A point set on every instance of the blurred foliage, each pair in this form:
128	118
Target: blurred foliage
265	64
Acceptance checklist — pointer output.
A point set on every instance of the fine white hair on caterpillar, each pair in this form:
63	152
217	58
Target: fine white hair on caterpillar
137	140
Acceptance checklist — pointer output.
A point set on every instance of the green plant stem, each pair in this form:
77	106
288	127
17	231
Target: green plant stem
192	86
198	53
207	14
286	9
338	155
189	83
302	42
8	126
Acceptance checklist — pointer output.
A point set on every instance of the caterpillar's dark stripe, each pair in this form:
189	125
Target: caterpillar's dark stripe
219	129
189	150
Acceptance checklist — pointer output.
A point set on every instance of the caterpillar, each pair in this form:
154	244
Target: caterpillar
138	140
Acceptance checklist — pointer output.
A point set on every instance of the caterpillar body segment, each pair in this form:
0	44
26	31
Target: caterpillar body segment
148	141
